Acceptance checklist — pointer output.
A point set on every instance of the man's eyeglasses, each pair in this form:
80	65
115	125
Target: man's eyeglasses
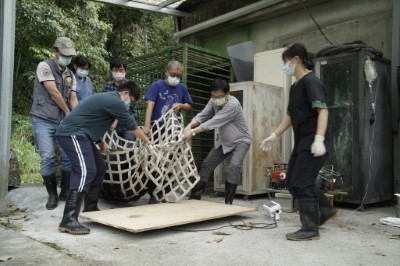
175	75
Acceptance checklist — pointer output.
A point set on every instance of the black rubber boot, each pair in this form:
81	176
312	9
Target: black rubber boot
326	210
197	190
51	187
70	223
65	175
309	216
151	187
91	199
153	200
230	190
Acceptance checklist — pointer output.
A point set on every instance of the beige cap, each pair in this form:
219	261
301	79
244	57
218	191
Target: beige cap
65	45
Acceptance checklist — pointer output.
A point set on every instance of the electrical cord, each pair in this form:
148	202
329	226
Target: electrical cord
361	207
240	225
319	28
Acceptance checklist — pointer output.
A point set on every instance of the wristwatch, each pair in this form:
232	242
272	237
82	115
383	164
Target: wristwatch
193	132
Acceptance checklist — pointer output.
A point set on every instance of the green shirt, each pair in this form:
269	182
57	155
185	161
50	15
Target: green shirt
95	115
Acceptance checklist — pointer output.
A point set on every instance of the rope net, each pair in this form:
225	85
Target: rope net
166	167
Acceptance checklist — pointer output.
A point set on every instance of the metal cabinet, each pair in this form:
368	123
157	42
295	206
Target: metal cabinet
262	106
362	151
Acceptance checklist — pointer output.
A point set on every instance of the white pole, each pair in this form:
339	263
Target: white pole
7	41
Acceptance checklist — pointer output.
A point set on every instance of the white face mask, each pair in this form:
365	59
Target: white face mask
219	101
118	76
288	70
127	102
82	73
173	81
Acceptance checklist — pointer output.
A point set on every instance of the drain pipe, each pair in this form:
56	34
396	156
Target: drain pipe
395	65
7	33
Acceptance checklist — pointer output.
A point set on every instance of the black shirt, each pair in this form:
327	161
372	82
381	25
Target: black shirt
303	116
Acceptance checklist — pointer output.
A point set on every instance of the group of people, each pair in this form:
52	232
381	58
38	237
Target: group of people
66	112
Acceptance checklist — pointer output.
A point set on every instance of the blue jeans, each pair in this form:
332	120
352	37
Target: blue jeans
44	134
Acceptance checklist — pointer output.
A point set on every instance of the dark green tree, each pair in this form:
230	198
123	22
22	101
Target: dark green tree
100	32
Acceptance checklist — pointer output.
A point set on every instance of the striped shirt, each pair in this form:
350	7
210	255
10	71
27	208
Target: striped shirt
230	122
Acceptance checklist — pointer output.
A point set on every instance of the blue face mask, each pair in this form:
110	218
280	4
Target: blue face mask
64	60
288	70
82	73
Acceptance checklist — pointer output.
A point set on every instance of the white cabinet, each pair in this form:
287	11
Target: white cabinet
262	106
268	67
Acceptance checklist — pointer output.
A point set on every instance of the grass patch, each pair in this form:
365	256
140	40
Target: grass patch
53	246
22	142
6	219
6	223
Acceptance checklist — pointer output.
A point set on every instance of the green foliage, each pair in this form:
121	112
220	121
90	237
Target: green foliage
23	144
100	32
136	32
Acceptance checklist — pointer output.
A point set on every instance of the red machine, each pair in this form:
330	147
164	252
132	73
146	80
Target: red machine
279	176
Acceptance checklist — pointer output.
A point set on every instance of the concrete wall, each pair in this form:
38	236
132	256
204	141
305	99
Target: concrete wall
341	20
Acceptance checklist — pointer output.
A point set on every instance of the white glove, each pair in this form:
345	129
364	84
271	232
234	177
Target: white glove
267	143
318	146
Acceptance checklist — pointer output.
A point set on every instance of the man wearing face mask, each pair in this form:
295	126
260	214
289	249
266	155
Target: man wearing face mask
77	135
54	96
163	95
223	112
118	71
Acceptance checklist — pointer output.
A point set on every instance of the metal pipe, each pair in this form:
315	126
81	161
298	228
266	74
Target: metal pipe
226	17
7	33
168	3
395	64
136	5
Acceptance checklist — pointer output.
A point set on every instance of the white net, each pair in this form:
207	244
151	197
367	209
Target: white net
166	166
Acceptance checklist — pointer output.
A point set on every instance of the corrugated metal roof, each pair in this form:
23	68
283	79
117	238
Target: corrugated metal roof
160	6
161	3
190	5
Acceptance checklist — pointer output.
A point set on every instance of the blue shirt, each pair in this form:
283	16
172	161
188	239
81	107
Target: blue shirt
84	88
165	96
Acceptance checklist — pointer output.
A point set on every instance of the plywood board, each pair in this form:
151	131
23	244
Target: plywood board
150	217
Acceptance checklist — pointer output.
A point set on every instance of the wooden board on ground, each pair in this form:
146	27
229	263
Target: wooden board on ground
150	217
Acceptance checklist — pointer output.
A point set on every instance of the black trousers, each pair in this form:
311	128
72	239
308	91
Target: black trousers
302	173
87	165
